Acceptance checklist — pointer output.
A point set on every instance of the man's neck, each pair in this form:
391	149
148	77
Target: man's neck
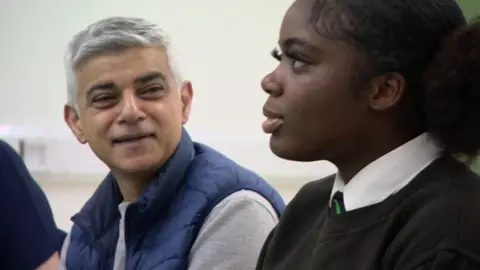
132	186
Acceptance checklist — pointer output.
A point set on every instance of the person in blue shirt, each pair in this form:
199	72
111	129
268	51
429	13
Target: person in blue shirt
29	237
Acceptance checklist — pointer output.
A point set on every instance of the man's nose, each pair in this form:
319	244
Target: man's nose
131	111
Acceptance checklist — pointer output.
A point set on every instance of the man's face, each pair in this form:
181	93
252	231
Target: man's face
130	109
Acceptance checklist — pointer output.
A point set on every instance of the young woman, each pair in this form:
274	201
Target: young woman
388	91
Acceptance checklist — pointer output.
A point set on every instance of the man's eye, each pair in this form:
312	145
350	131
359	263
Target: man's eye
103	98
154	89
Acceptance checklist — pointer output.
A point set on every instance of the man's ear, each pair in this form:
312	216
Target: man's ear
72	118
186	95
386	91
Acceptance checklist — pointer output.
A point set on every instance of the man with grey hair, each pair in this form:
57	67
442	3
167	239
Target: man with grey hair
168	202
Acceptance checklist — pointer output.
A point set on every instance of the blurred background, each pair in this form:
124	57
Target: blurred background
223	47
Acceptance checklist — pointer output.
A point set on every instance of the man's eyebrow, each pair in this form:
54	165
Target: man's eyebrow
150	77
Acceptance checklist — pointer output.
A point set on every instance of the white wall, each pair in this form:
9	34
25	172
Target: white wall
223	47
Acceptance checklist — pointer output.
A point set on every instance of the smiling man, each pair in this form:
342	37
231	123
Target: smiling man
168	202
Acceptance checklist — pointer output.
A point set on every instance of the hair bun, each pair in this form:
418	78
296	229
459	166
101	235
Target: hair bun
452	96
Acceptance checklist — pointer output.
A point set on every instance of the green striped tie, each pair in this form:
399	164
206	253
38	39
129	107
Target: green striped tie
337	203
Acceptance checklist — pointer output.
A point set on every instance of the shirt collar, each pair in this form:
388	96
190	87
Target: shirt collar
388	174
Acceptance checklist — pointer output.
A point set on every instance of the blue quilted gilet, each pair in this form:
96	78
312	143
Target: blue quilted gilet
162	225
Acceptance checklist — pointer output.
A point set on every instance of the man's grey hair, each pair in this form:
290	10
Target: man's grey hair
109	36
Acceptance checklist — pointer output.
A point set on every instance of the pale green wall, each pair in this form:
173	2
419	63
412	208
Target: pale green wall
472	9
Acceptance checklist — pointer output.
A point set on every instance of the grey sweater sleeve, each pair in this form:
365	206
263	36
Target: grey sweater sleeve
63	255
233	234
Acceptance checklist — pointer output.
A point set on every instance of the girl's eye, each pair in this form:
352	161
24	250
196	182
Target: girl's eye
297	64
295	61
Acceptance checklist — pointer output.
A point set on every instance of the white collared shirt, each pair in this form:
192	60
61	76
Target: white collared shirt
388	174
